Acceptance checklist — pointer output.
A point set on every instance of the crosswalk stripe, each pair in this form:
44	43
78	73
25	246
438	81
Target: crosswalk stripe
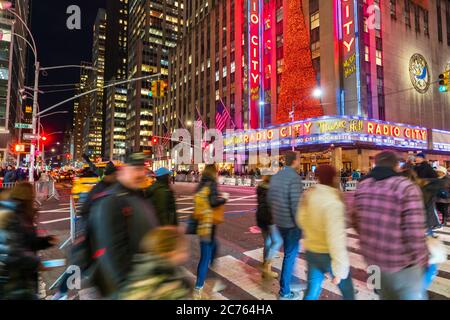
364	293
243	276
213	295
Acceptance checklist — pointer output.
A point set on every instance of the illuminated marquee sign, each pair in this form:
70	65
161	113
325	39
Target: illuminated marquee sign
441	140
254	63
348	37
335	129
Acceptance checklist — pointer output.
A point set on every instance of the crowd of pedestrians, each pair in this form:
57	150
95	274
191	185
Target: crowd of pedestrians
131	245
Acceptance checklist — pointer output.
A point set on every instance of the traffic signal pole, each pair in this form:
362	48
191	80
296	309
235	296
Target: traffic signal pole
34	121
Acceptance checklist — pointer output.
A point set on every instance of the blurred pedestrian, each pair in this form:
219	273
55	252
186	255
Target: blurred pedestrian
443	200
19	244
389	217
117	223
264	220
284	193
321	216
423	168
10	175
157	272
163	198
208	205
81	254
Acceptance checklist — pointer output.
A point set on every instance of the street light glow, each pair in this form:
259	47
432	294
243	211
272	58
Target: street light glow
317	93
189	123
5	5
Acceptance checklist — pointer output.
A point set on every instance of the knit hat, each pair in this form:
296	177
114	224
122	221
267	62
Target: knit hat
442	170
137	159
162	172
326	175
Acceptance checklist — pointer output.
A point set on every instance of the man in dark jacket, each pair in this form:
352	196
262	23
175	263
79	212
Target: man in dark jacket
117	224
423	168
284	193
163	198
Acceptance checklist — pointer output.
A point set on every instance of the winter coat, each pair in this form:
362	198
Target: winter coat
425	171
430	189
117	224
321	216
10	176
263	213
163	199
153	278
18	263
207	189
284	194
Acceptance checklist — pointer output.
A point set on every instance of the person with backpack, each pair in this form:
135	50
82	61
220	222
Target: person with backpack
163	198
80	253
118	221
264	220
208	215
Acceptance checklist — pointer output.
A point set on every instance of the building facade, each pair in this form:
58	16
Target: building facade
81	108
154	27
376	60
116	70
94	122
13	59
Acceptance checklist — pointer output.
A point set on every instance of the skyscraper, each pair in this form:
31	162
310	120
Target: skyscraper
115	97
81	109
154	28
94	125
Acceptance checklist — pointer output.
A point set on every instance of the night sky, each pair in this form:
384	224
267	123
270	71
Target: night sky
57	45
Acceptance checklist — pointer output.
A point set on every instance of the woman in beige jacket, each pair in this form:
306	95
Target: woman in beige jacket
321	216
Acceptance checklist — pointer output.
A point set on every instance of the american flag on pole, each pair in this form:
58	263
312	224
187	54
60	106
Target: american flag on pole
222	115
166	135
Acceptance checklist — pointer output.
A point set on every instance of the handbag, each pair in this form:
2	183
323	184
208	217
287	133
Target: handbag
219	214
437	250
191	227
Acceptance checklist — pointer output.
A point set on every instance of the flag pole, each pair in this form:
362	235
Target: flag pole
229	114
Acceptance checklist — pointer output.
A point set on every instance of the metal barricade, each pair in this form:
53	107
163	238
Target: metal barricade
8	185
308	184
351	185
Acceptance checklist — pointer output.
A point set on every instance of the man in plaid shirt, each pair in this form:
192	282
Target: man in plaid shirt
389	216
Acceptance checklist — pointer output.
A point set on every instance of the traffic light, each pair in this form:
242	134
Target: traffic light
162	88
19	148
154	91
44	138
154	141
444	81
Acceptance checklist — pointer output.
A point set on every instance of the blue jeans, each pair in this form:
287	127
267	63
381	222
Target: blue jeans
430	273
272	242
291	238
318	265
208	250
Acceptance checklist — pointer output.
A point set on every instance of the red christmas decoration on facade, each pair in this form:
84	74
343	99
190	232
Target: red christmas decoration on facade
298	78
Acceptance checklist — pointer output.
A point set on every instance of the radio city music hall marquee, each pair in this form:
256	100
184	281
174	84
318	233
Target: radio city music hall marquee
333	129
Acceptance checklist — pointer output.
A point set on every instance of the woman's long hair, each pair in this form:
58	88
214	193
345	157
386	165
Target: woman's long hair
210	172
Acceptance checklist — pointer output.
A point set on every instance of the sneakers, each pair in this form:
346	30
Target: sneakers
291	296
200	294
267	272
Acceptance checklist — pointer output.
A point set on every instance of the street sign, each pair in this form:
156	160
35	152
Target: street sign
29	136
23	126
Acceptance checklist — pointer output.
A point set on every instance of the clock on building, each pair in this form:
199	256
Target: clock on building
419	73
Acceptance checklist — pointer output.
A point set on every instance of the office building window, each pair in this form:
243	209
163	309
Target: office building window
393	9
407	13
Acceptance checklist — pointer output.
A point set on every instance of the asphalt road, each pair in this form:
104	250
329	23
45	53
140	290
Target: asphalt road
240	250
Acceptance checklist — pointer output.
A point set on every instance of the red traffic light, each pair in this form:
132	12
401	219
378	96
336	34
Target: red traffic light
44	138
154	140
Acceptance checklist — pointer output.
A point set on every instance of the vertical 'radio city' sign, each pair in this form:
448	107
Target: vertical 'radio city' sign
254	63
348	36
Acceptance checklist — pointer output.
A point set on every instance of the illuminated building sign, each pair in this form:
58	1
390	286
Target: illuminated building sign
333	130
441	140
254	63
348	37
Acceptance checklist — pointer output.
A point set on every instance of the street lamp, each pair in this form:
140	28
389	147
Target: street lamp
189	123
317	93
